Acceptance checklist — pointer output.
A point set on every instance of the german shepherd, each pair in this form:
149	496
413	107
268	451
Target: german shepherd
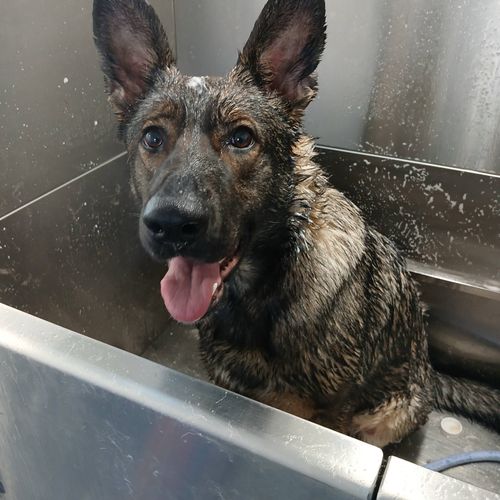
299	303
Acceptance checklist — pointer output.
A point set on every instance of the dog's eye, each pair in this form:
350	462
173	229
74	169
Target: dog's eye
153	138
242	138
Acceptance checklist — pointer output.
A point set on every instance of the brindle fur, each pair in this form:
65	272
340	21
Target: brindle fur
321	317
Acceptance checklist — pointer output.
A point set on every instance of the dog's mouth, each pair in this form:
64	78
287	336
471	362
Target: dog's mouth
191	287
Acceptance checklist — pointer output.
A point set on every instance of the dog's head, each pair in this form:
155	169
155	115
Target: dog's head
212	158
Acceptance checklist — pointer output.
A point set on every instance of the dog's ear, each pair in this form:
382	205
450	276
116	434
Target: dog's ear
133	45
285	47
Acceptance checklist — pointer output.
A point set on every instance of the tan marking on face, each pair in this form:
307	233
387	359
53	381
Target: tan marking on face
166	116
242	163
165	110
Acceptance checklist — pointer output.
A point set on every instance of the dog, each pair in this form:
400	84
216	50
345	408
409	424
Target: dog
299	303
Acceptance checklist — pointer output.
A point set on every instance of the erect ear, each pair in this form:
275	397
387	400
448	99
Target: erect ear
133	45
285	47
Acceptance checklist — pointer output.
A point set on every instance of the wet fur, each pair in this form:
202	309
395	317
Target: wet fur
321	317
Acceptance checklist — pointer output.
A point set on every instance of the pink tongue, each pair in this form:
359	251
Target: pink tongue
188	287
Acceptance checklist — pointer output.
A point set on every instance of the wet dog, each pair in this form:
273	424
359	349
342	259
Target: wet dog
299	303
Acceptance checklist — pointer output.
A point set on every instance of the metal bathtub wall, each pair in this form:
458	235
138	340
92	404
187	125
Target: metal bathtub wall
417	79
55	123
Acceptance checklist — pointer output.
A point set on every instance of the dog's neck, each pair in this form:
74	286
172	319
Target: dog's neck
297	212
309	187
310	226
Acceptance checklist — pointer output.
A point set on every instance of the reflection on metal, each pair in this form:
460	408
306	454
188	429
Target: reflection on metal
415	80
463	324
83	420
74	258
55	122
405	481
462	282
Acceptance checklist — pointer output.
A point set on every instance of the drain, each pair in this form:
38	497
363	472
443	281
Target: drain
451	426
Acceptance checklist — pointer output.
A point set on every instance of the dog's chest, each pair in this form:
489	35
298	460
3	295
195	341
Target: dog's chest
291	363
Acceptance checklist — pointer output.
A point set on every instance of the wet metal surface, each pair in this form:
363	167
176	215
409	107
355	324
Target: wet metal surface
177	348
415	80
79	419
74	258
55	122
432	442
403	481
464	331
446	218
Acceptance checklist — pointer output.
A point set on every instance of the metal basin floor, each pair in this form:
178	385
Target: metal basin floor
177	348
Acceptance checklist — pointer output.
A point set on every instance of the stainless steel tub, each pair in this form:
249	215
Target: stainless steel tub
79	417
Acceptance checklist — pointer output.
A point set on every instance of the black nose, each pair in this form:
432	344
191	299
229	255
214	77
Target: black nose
169	224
